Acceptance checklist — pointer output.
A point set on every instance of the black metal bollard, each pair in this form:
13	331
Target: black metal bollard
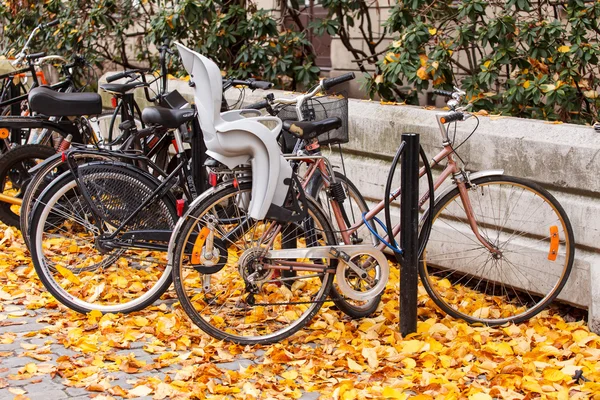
409	233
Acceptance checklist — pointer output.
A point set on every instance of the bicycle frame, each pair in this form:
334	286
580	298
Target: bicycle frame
459	177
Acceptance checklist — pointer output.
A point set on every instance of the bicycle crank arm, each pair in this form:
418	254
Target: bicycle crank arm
351	259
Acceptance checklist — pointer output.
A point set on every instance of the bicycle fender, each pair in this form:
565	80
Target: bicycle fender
37	167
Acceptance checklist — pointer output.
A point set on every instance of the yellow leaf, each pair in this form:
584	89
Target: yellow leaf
291	375
370	354
397	43
547	88
412	346
432	31
170	21
564	49
480	396
140	391
554	375
31	368
68	275
391	393
526	84
423	59
354	366
140	321
591	94
422	74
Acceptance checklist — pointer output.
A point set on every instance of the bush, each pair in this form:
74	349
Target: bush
512	57
245	42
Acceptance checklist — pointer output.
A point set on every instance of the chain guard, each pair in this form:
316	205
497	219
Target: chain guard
345	255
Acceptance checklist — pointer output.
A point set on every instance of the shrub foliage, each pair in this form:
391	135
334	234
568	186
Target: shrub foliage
517	57
244	41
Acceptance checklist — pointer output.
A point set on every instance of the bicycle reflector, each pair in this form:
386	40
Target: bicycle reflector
113	101
180	207
198	245
4	133
212	179
554	241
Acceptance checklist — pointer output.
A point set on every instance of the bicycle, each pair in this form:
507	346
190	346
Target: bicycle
112	215
11	92
225	263
453	208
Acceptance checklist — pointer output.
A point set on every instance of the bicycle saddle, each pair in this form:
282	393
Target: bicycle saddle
167	117
121	88
49	102
311	129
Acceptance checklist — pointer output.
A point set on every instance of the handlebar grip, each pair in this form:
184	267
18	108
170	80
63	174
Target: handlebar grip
114	77
51	24
331	82
258	106
264	85
442	93
35	56
451	117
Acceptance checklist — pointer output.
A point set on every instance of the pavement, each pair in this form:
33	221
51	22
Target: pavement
34	363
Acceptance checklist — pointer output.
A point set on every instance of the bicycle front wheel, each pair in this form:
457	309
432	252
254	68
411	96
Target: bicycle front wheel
73	249
519	265
233	291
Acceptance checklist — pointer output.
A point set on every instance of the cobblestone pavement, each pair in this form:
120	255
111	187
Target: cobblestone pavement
23	349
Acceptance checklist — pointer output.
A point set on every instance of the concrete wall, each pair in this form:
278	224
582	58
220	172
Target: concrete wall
563	158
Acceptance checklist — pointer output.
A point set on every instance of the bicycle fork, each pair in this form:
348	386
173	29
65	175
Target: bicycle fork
461	182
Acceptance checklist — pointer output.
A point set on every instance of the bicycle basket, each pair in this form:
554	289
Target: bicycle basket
319	108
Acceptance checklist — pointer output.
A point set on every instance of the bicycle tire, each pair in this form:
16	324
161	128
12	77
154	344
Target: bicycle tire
14	166
352	308
543	219
184	278
120	186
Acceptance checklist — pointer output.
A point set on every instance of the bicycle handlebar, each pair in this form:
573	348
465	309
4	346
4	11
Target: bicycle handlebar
35	56
50	24
444	93
258	106
125	74
452	116
264	85
331	82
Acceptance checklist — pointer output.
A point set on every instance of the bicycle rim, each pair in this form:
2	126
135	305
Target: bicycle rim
532	256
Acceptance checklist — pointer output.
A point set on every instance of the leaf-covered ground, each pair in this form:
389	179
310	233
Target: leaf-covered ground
159	354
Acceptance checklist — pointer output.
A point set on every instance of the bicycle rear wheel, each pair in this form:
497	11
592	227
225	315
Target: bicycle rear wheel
238	296
70	248
532	257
